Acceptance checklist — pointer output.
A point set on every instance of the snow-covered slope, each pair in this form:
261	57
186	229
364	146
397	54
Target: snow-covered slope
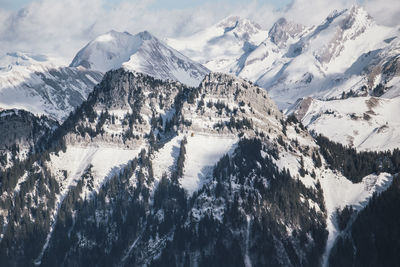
339	55
346	54
366	123
220	46
142	53
202	152
42	85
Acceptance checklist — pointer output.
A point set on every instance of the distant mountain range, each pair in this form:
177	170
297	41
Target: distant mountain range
347	55
235	146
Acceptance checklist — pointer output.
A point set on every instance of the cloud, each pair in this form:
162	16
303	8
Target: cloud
386	12
47	25
314	12
62	27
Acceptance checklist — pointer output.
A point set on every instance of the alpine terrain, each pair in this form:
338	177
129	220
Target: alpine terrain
142	52
42	85
342	74
234	146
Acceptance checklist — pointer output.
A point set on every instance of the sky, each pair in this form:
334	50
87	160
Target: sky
62	27
158	4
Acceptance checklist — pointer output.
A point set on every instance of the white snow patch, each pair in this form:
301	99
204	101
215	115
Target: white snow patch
105	160
365	123
165	159
202	153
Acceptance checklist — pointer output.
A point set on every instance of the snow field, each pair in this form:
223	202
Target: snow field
357	122
202	152
106	161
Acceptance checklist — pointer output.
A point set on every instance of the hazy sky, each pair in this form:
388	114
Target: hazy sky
62	27
161	4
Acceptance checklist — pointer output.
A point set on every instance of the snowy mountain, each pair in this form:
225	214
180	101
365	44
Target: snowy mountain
220	46
337	57
41	85
148	172
356	104
142	53
44	86
347	55
145	170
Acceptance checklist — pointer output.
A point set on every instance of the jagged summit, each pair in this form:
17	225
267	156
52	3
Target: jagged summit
145	35
142	52
358	15
320	61
282	30
243	28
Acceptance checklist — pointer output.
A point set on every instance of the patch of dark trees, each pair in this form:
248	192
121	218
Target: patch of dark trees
254	195
354	164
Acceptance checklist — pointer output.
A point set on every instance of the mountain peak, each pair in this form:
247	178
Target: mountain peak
142	53
238	25
230	21
282	30
236	35
145	35
111	36
357	16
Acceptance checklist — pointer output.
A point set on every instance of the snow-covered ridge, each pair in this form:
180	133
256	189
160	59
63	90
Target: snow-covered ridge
43	85
320	61
344	53
13	60
143	53
366	123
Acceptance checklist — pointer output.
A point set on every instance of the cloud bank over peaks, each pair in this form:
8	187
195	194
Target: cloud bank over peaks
62	27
